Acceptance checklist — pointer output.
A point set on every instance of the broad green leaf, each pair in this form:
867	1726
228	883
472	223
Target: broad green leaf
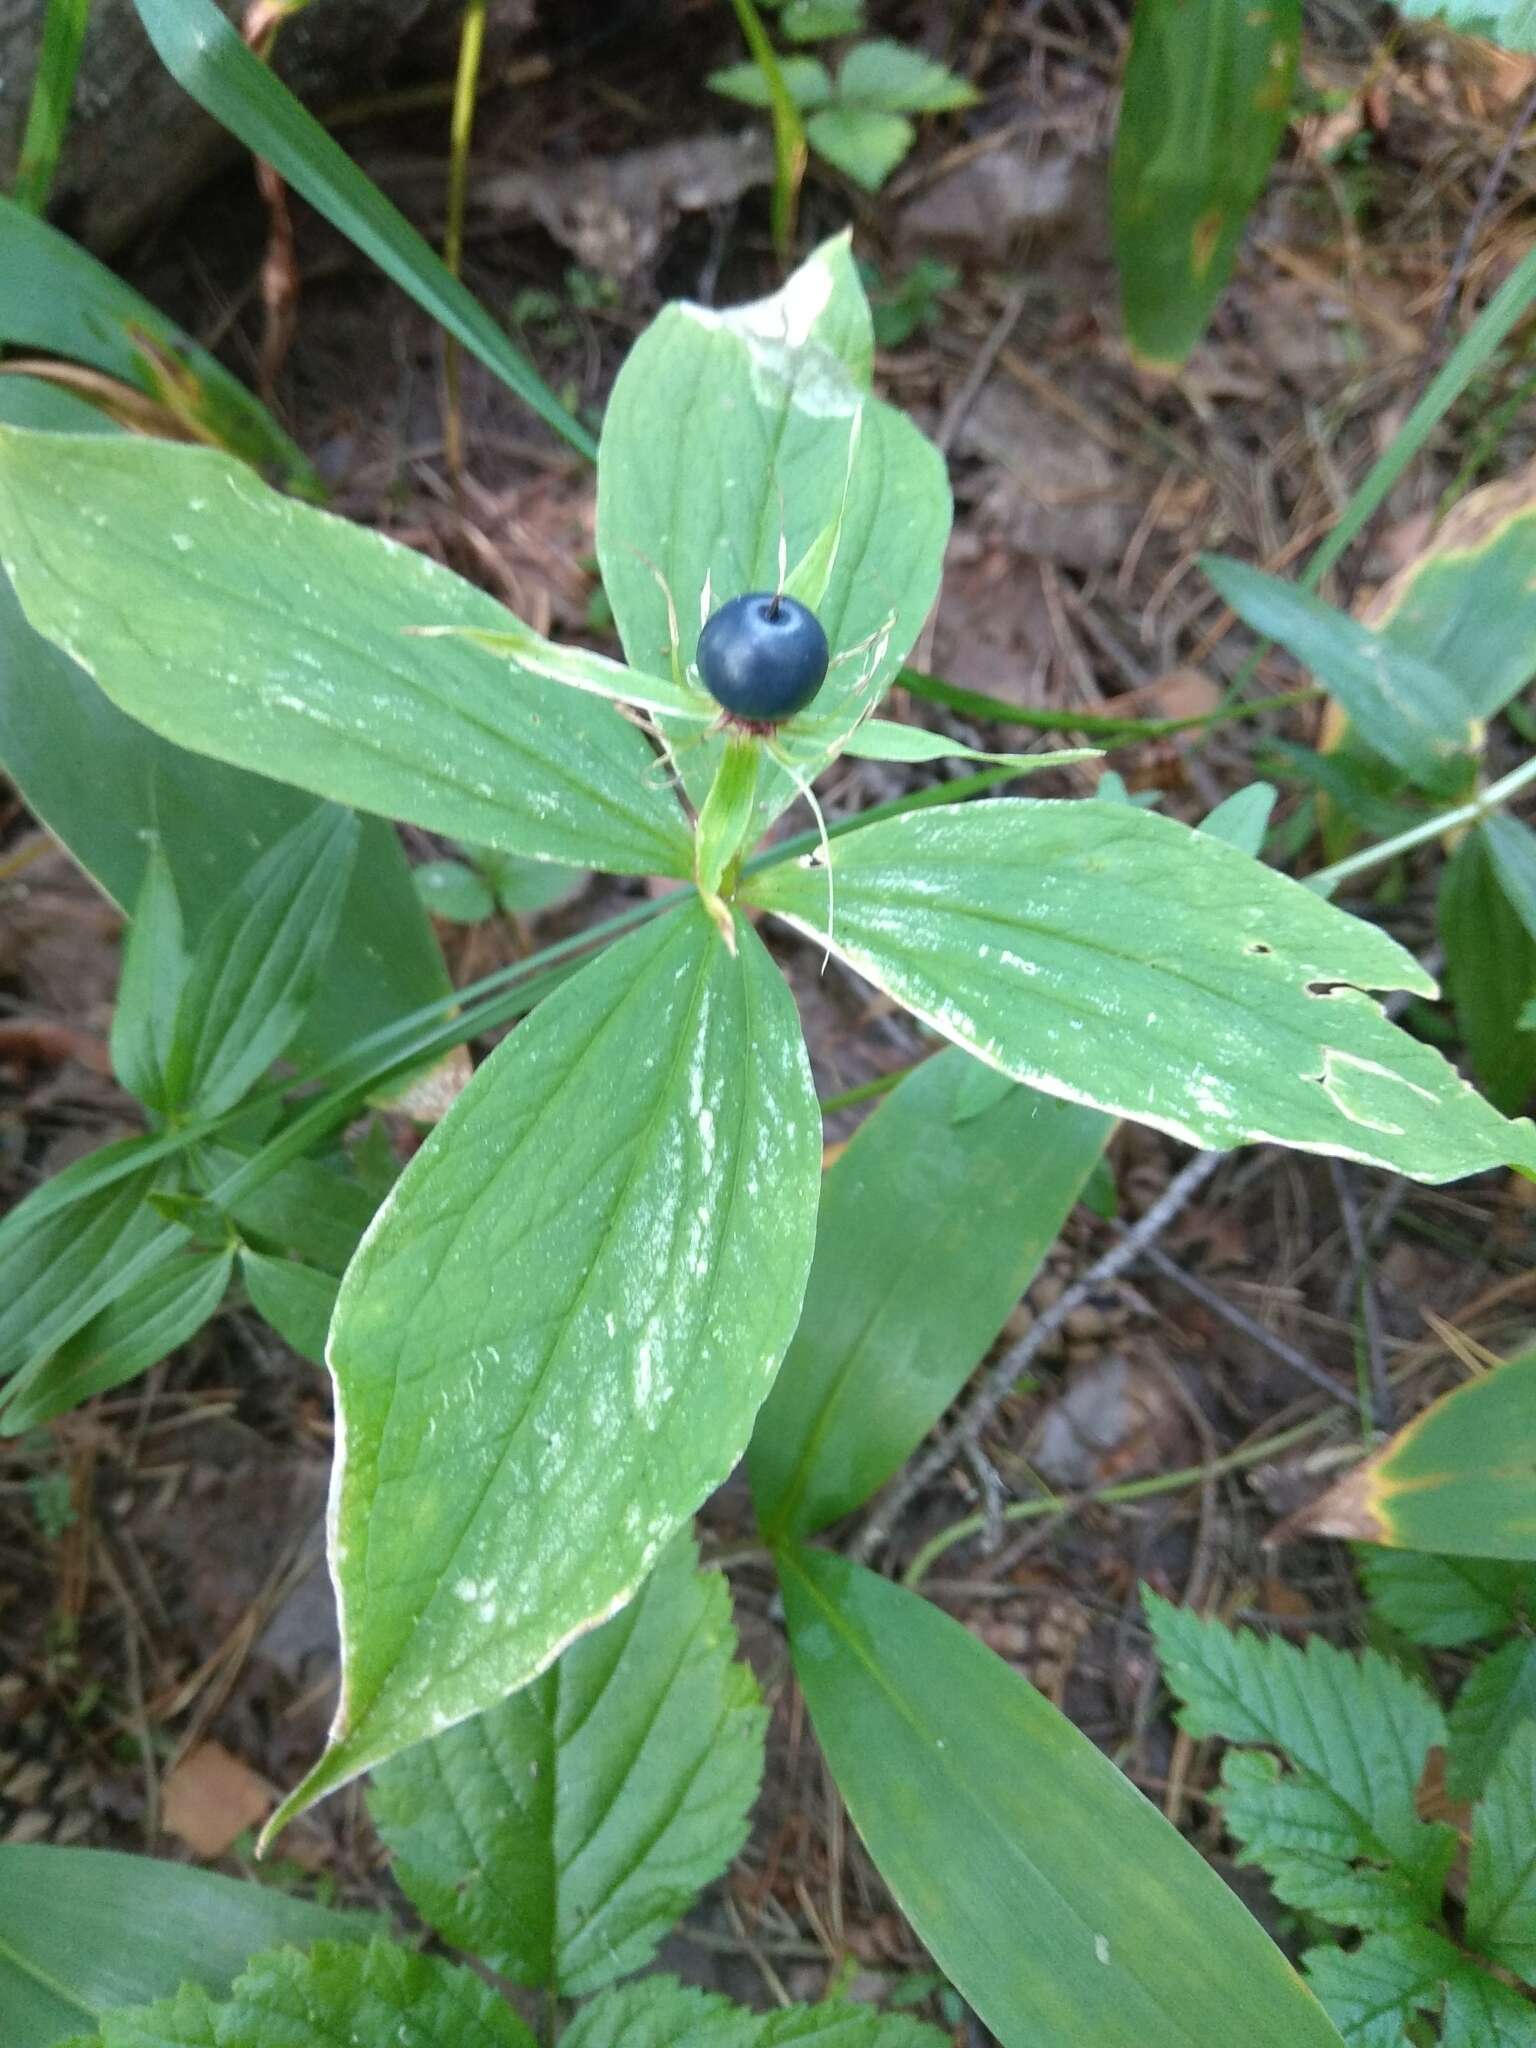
865	142
451	890
524	887
1444	1601
1374	1993
738	441
812	21
1399	703
108	788
61	302
258	965
270	635
1243	819
1333	1819
1207	97
894	75
381	1996
297	1300
1467	605
149	988
1053	1896
560	1835
929	1231
806	80
210	61
53	89
1510	22
1460	1478
135	1331
1501	1879
84	1930
1113	957
555	1336
1498	1697
305	1207
659	2012
883	739
1490	970
62	1260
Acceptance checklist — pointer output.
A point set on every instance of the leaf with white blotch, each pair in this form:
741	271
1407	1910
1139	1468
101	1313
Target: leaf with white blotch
1497	1699
275	637
1333	1820
1116	958
661	2013
883	739
553	1340
1501	1877
1376	1991
1445	1601
334	1993
560	1835
737	443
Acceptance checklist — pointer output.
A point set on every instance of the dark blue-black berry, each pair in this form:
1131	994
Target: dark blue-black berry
763	656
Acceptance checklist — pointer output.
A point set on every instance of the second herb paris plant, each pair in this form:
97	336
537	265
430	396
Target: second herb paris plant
553	1341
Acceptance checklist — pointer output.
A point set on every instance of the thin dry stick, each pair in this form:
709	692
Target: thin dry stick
964	1435
1239	1318
1365	1293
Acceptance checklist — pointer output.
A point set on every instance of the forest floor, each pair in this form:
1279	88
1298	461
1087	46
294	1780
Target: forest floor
166	1635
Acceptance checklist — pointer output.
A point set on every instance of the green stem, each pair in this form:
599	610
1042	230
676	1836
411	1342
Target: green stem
867	1091
789	144
1092	724
1326	880
465	87
52	95
1109	1496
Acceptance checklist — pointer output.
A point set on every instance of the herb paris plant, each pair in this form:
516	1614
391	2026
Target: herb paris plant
553	1340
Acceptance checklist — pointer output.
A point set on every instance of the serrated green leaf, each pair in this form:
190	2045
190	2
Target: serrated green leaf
270	635
732	436
1072	1913
1207	96
258	965
1243	819
1498	1697
1490	971
61	301
382	1994
893	75
1339	1832
149	988
806	80
62	1260
1400	705
1444	1601
555	1337
559	1836
1501	1878
1482	2012
661	2013
1116	958
297	1300
86	1930
931	1227
449	889
865	142
161	1311
108	788
1377	1991
1510	22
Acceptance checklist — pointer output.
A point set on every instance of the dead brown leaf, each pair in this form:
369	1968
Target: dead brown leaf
211	1798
